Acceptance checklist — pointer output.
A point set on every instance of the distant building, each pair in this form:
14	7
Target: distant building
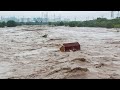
66	19
37	19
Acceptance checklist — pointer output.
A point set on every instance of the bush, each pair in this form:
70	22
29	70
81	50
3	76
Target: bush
49	23
66	23
109	25
73	24
117	26
61	23
2	24
79	24
11	23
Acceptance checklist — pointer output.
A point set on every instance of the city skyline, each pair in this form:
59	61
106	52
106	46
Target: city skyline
79	15
56	15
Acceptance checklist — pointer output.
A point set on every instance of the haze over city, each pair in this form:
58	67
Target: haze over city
72	15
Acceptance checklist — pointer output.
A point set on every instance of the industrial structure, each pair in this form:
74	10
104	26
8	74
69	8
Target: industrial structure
113	14
44	17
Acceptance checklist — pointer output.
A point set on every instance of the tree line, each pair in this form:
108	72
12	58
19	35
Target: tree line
99	22
12	23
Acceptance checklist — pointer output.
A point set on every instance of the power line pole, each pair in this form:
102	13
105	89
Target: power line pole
54	17
112	14
47	17
75	18
118	14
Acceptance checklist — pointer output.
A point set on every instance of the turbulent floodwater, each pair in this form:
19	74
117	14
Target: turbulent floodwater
25	54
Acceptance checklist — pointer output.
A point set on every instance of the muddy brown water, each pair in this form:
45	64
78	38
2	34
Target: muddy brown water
25	54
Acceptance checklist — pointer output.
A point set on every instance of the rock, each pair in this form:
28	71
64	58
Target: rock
45	36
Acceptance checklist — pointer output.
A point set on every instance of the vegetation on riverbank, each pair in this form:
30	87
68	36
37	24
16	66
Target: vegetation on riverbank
99	22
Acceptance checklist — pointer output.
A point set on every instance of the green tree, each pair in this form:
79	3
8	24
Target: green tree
11	23
73	24
61	23
109	25
2	24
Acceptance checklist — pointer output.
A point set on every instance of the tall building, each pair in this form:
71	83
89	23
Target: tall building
28	20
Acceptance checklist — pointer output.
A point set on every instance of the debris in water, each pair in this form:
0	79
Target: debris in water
79	59
100	65
61	69
56	39
67	47
45	36
77	69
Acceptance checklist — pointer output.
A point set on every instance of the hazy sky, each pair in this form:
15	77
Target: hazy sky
79	15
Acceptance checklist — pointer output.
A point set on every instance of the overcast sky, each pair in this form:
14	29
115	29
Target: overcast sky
79	15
